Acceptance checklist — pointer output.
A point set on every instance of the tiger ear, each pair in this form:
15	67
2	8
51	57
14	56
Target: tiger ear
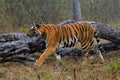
36	25
42	20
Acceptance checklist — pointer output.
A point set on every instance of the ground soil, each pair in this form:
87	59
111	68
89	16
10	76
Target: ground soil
73	69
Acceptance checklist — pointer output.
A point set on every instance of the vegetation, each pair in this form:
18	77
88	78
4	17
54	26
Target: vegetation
115	65
17	15
115	68
73	69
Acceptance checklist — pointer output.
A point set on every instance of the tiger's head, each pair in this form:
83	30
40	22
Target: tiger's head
34	30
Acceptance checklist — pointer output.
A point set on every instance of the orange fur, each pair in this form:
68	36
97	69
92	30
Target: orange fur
70	32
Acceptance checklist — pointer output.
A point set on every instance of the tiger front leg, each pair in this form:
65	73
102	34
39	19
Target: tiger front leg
45	55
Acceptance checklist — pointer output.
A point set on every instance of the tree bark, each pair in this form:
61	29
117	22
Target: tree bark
108	33
19	47
76	10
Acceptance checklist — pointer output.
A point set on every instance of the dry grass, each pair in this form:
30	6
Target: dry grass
114	23
10	29
73	69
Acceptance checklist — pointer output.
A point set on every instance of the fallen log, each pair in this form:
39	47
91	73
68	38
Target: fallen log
13	49
12	37
19	47
30	44
108	33
72	52
28	58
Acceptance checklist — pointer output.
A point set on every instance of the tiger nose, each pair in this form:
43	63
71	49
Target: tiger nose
29	35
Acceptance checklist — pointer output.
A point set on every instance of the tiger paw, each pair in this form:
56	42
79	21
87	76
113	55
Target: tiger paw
37	63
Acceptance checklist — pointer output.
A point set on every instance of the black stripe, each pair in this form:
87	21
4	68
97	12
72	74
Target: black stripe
66	43
82	31
92	43
66	32
59	35
63	33
75	30
70	31
74	40
45	26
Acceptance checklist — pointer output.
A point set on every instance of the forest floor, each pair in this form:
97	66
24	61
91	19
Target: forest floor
73	69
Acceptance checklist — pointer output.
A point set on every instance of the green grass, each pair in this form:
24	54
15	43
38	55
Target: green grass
46	78
115	65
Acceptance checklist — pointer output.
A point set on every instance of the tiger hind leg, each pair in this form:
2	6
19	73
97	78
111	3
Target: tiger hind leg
97	51
100	55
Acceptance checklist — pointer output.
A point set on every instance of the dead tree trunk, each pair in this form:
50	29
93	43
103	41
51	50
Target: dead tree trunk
108	33
19	47
76	10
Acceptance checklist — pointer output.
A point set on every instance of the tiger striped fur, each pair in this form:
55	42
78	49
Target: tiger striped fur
66	36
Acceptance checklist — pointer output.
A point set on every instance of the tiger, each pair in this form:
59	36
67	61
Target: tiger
61	36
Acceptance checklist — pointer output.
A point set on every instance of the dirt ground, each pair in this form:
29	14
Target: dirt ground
73	69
